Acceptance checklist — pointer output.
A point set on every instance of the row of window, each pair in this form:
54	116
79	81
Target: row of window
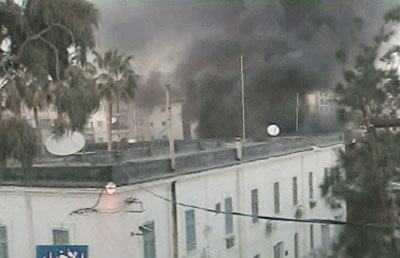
254	195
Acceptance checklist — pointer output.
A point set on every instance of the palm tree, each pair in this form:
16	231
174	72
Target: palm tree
116	80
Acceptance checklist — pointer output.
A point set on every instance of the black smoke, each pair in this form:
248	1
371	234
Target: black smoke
288	46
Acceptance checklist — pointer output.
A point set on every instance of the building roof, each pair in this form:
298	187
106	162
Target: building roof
150	161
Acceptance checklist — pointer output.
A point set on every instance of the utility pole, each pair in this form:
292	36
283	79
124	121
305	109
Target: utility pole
297	111
169	125
135	121
243	110
118	130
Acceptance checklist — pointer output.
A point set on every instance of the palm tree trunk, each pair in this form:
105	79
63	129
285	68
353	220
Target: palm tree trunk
109	146
1	106
39	132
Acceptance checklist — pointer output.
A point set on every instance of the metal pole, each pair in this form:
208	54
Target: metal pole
118	131
169	124
243	114
297	112
136	123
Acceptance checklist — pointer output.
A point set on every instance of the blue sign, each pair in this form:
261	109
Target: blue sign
61	251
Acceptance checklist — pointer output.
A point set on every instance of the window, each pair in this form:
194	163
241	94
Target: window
278	250
325	237
60	237
100	139
310	185
151	124
163	123
99	123
149	240
254	205
3	242
311	237
256	256
276	197
228	216
296	245
295	201
190	230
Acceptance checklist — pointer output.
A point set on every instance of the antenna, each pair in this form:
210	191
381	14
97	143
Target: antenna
67	144
243	114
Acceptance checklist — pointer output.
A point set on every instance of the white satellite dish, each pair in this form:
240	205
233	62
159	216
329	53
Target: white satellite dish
273	130
65	145
113	120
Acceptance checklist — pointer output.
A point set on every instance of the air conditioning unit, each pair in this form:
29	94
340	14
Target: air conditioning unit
270	226
313	203
299	212
230	242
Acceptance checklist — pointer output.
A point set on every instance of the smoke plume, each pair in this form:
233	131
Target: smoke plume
288	47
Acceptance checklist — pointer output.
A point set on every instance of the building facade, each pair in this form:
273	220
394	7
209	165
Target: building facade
188	213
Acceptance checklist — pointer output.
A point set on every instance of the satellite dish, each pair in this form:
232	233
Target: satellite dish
273	130
65	145
113	120
131	141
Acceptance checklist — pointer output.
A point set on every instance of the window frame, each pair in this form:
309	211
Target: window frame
60	229
311	185
254	205
311	237
151	226
295	190
190	227
277	204
228	216
4	241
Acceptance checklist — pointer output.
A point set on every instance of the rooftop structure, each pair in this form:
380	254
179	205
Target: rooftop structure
150	161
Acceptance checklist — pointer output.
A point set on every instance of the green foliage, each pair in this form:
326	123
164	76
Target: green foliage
39	67
41	31
77	98
17	141
369	92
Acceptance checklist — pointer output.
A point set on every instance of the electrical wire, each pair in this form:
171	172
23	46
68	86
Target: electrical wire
262	217
105	211
91	208
235	213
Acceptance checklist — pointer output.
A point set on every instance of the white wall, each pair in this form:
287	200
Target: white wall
30	214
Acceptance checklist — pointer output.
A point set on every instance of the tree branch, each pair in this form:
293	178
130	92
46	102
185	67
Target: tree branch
28	40
56	55
66	29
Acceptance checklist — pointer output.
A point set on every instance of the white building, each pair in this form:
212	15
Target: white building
284	183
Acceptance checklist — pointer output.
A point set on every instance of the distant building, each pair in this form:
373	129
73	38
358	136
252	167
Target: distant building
143	124
321	101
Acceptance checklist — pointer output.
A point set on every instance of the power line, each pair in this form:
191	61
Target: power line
262	217
241	214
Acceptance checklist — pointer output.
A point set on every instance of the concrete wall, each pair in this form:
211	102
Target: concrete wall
30	213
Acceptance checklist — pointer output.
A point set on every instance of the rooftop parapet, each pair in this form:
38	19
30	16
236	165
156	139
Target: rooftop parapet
138	164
